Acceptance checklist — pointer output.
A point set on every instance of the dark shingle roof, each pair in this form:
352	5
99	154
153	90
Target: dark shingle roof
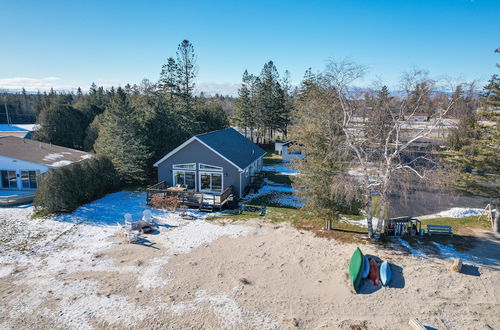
233	145
39	152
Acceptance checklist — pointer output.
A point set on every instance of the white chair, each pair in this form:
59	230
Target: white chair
148	218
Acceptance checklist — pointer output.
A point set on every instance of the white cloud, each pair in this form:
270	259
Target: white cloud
45	84
212	88
32	84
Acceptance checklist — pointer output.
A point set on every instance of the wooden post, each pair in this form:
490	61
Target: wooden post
328	224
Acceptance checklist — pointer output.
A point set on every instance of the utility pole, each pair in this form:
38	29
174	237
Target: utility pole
7	113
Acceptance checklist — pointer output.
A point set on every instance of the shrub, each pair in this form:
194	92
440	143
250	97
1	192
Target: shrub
65	188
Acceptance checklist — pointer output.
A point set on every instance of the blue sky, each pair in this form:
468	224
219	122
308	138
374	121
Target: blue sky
66	44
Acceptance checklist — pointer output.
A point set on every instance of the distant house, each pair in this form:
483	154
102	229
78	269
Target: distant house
18	130
283	148
23	160
212	162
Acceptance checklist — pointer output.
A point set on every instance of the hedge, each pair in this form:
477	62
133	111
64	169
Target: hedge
66	188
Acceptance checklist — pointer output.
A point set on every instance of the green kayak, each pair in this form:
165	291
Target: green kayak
356	268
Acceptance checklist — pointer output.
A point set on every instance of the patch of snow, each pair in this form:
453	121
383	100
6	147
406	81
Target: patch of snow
361	222
86	156
230	314
450	253
53	156
413	251
61	163
284	168
456	212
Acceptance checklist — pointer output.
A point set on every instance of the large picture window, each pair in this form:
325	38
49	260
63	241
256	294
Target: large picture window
185	179
211	182
9	179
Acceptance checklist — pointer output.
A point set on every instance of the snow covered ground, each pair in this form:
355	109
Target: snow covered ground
47	251
284	168
456	212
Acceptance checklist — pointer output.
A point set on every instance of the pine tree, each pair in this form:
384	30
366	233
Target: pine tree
61	125
121	139
477	160
186	73
242	114
168	84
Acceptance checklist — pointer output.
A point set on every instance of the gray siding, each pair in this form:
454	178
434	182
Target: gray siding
195	152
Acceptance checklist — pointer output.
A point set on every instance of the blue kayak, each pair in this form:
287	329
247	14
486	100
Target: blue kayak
366	268
385	273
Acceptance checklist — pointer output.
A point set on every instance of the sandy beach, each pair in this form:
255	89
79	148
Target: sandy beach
215	274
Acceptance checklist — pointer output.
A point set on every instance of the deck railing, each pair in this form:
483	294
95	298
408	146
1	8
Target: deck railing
206	201
16	199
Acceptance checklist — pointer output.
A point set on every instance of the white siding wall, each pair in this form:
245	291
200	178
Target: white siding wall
11	164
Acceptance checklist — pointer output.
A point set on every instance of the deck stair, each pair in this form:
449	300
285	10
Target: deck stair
206	208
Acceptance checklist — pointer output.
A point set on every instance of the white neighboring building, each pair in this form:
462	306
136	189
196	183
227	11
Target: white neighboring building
23	160
19	130
282	148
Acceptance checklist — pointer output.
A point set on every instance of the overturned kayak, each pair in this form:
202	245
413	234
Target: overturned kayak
385	273
366	267
356	268
374	272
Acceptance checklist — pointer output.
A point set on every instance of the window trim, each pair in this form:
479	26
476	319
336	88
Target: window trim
176	166
200	173
8	179
214	169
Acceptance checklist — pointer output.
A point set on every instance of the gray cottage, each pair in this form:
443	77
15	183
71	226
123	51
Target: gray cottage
210	163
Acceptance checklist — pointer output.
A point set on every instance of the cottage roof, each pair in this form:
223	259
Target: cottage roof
228	143
39	152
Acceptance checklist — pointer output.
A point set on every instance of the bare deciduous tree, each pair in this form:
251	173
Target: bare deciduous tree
380	153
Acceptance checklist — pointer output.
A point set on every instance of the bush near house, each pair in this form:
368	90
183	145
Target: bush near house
65	188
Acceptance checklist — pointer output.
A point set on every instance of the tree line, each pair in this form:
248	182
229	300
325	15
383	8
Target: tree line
264	104
134	126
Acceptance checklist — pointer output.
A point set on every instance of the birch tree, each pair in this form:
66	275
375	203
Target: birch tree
379	153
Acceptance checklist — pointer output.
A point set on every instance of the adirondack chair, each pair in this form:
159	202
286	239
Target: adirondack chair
148	219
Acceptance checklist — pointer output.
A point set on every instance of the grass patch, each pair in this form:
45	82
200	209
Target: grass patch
278	178
270	158
457	224
272	199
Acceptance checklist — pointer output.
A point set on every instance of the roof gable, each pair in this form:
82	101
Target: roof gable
227	143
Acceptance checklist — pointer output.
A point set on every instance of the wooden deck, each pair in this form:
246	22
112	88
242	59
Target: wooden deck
15	197
191	199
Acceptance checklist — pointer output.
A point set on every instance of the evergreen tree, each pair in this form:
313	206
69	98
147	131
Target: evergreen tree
324	183
121	139
186	73
61	125
477	161
168	84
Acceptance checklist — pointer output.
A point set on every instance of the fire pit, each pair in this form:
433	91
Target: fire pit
147	229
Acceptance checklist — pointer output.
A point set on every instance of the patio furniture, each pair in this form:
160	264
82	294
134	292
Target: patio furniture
437	229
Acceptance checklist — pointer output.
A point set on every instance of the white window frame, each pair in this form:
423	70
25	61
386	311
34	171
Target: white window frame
174	174
8	178
29	181
213	169
177	166
200	173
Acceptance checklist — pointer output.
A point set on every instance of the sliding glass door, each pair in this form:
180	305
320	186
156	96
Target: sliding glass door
211	182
